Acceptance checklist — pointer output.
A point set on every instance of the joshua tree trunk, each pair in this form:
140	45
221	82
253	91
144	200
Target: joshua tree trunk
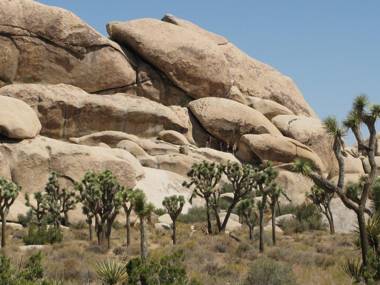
330	219
128	228
363	236
3	225
273	210
228	214
143	240
174	237
89	223
209	227
261	221
250	232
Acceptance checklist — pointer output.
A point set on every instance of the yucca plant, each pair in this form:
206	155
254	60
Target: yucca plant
353	268
111	272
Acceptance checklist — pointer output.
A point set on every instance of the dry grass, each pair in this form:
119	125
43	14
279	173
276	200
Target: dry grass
315	257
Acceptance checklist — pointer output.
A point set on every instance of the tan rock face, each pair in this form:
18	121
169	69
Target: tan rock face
17	119
33	160
295	186
66	111
268	108
192	62
228	120
46	44
309	131
173	137
254	78
218	39
275	148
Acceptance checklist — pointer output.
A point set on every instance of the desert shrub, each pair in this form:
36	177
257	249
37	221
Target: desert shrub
159	211
42	235
194	215
167	269
117	225
26	219
287	209
308	217
265	271
111	272
80	225
31	273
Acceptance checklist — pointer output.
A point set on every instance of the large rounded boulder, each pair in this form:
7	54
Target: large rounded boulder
228	120
39	43
192	62
17	119
266	147
67	111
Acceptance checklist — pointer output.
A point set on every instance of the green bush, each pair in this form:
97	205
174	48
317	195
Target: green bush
308	217
167	270
194	215
31	273
159	211
42	235
265	271
26	219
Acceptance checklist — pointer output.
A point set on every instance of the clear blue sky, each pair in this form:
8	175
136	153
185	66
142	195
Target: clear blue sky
330	48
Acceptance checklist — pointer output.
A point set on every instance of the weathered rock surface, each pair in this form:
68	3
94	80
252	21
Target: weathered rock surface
17	119
191	61
275	148
158	184
310	132
67	111
173	137
218	39
46	44
254	78
295	186
228	120
267	107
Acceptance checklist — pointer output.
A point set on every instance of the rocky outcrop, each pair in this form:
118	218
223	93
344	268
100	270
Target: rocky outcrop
67	111
295	186
39	43
310	132
266	147
228	120
192	62
17	119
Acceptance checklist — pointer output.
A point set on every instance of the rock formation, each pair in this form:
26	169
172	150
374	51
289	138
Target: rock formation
147	103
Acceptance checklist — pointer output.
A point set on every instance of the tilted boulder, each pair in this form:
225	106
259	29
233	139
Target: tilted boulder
192	62
228	120
275	148
67	111
17	119
295	186
310	132
39	43
252	77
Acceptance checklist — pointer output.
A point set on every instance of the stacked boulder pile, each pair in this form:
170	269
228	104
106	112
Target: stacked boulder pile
148	102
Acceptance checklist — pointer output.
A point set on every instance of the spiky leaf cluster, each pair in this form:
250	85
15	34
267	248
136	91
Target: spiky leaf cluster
174	205
8	194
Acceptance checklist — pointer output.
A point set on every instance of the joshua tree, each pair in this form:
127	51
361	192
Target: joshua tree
59	201
275	192
127	198
204	177
100	193
174	205
143	210
243	180
39	210
247	211
8	194
265	185
322	199
361	115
